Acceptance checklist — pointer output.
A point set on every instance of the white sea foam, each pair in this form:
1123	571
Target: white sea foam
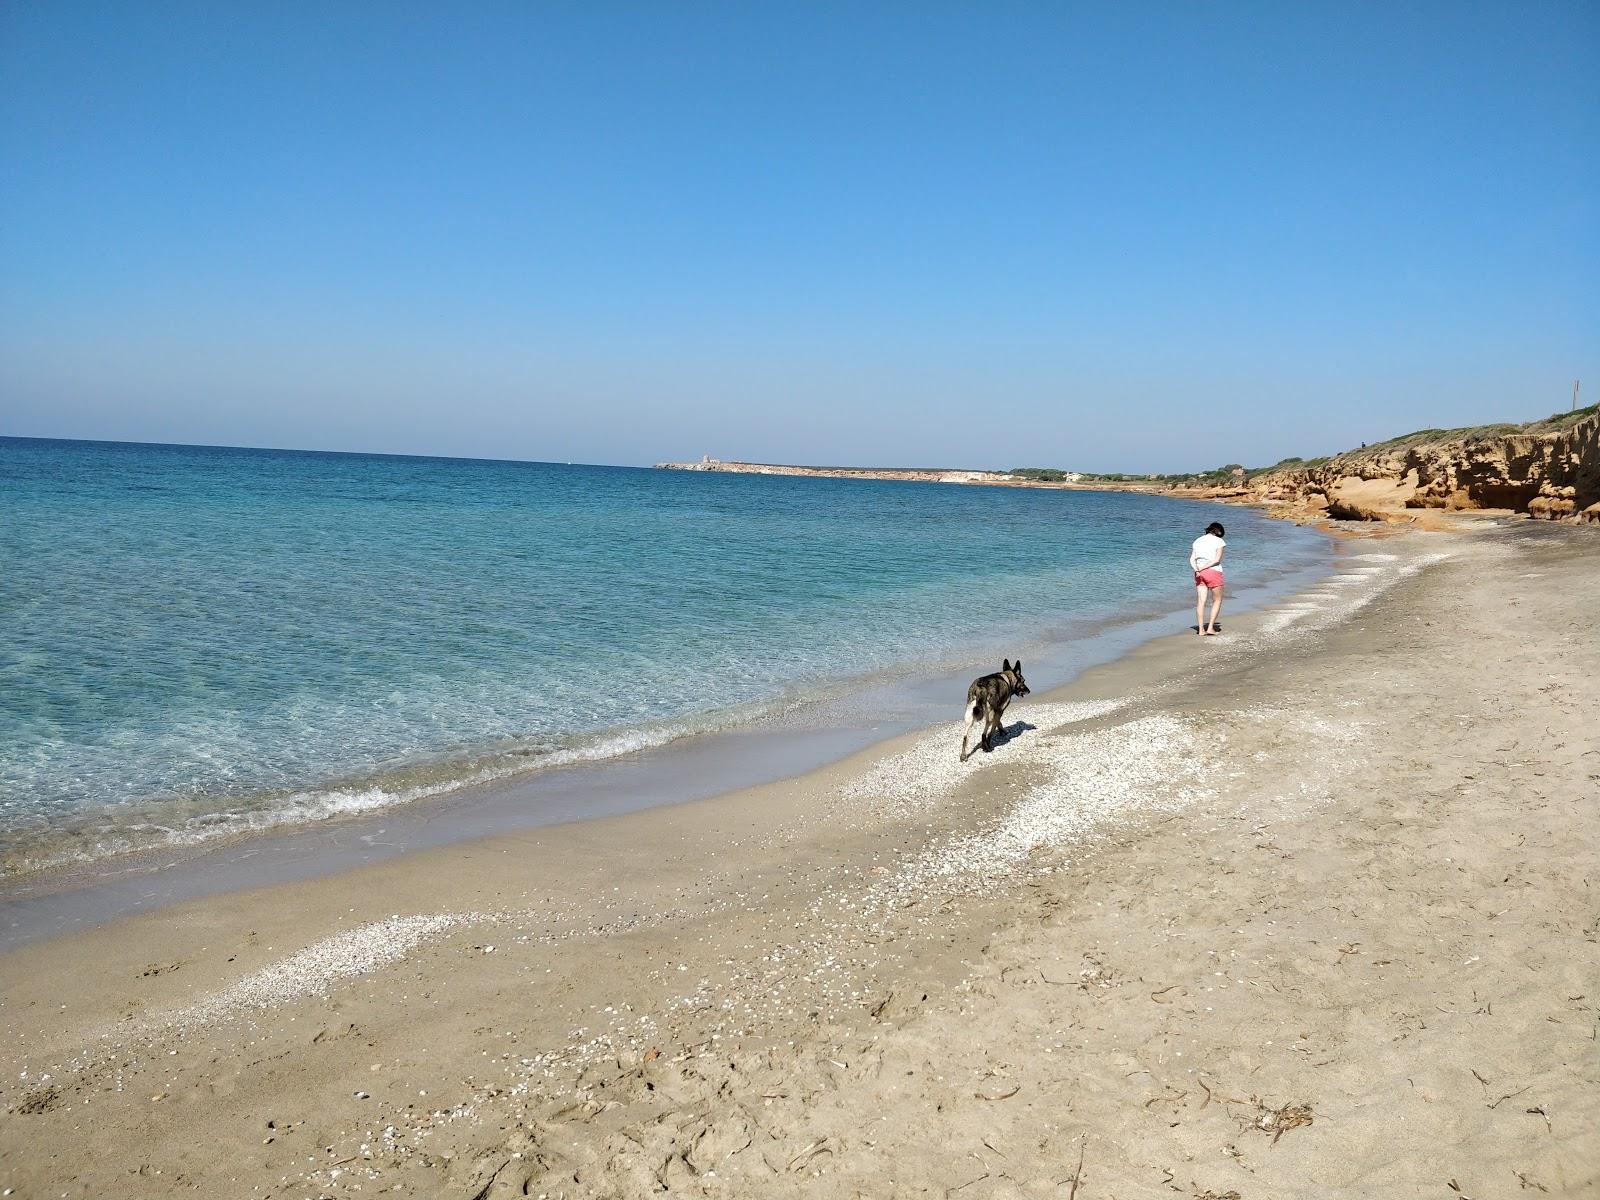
163	829
1356	592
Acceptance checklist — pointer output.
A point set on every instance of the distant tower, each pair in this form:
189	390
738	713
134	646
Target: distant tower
1574	395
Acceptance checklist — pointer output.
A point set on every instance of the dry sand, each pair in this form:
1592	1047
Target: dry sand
1306	910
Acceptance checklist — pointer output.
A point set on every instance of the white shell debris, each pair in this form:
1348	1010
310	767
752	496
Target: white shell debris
1084	780
926	773
315	968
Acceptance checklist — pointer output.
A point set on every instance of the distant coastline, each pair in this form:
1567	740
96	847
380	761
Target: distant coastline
911	474
1019	477
1547	469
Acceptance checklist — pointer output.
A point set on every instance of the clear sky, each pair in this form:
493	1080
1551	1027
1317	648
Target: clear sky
1113	237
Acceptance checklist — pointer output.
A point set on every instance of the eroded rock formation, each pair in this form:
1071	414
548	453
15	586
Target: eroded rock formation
1549	470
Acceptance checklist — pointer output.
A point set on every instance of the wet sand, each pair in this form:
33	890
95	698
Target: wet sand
1304	910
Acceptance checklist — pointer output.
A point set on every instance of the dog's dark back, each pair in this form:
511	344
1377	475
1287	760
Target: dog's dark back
993	692
989	691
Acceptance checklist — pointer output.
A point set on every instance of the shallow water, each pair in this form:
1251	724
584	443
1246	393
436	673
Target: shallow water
201	641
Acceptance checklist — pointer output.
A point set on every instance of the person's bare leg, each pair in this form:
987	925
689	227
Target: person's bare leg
1216	611
1200	608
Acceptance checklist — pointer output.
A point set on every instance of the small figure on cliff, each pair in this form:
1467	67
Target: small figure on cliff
1205	557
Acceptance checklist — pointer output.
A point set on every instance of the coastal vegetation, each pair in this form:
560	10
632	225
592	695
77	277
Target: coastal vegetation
1043	474
1555	423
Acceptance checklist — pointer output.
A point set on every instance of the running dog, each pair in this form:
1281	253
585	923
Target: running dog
986	704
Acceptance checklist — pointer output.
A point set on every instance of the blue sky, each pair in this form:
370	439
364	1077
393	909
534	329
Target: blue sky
1156	236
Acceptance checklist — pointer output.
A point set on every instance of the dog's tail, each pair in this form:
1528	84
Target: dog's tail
972	722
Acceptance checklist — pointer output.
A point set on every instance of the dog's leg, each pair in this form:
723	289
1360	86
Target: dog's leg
966	734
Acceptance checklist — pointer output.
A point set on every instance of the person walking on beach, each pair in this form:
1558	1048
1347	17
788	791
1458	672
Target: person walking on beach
1205	556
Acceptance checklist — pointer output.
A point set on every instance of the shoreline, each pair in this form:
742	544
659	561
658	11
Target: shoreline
1220	917
790	739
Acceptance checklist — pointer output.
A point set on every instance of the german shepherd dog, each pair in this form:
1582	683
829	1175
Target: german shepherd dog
986	703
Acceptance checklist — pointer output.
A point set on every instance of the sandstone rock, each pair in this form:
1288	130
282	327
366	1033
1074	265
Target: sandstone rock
1348	510
1552	475
1550	508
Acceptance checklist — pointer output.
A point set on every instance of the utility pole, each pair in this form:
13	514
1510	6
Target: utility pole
1574	395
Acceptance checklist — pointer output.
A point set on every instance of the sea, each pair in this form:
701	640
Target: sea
198	642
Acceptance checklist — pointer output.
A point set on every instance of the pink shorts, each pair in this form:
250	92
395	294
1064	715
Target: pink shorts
1211	577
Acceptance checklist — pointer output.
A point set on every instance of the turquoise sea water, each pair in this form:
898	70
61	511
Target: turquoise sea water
204	640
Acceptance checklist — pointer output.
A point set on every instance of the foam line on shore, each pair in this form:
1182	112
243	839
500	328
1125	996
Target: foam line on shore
296	809
1320	609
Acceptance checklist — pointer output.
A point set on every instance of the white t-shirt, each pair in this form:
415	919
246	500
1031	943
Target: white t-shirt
1205	552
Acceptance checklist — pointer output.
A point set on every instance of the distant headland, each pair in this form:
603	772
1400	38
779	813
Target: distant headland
1549	469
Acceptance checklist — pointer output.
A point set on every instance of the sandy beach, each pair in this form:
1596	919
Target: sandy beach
1305	910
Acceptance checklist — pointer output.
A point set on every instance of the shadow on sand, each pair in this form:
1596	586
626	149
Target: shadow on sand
1006	732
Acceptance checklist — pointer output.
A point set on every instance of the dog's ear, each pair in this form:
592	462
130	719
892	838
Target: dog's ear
1005	664
1017	666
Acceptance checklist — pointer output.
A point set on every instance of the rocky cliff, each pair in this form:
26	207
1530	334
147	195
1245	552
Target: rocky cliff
1549	469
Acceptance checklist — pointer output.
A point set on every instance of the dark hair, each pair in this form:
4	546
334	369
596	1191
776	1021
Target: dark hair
1216	528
